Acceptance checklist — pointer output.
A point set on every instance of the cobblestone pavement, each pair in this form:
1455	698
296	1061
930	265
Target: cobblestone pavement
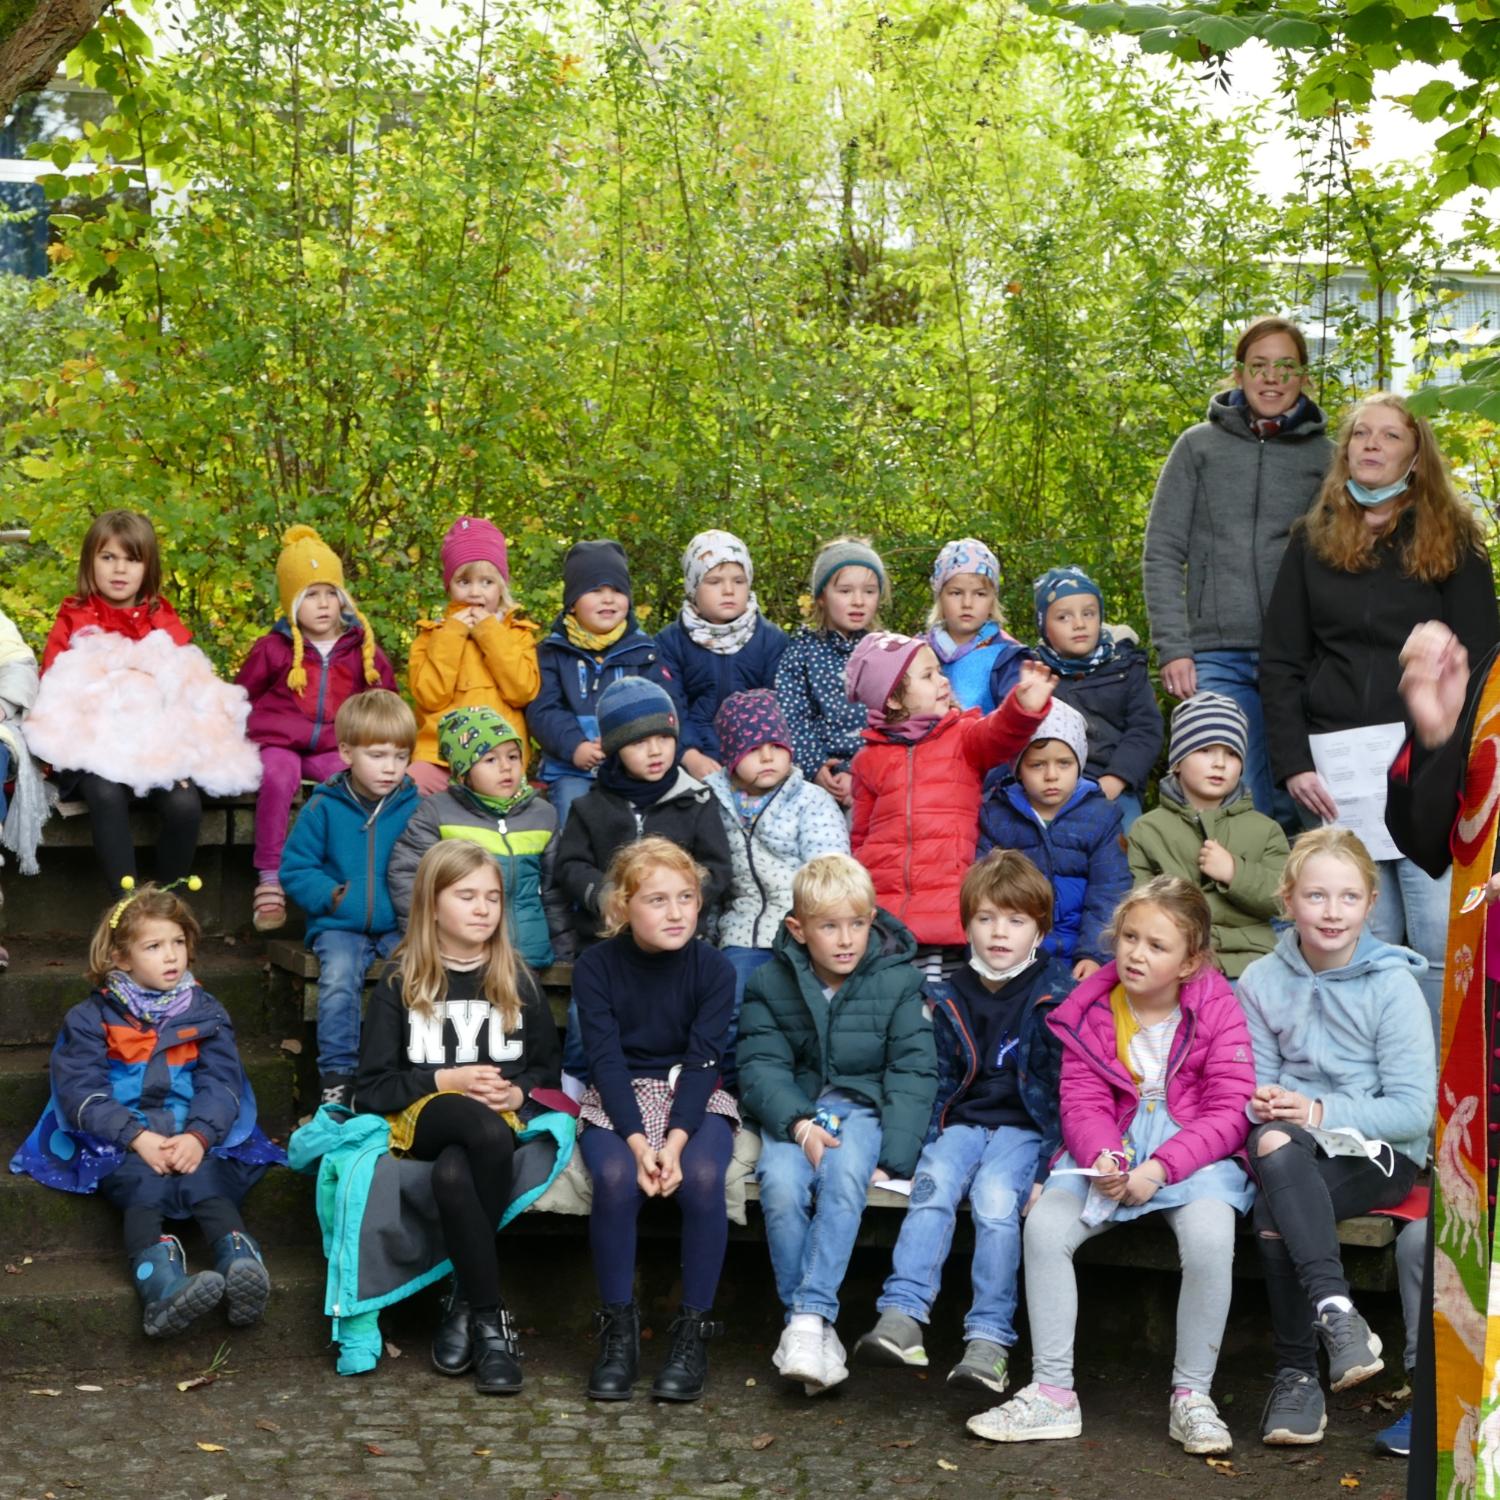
295	1429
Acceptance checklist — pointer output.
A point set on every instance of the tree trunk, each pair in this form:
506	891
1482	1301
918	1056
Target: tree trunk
37	37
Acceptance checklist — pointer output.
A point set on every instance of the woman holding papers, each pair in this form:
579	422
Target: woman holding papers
1387	545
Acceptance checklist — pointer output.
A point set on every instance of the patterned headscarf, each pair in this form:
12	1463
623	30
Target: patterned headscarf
707	551
1064	583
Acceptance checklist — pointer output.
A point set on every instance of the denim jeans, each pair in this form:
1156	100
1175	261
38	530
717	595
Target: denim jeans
1413	909
564	792
344	958
1236	674
994	1169
575	1060
746	961
812	1218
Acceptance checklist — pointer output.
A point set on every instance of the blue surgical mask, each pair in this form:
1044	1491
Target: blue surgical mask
1363	495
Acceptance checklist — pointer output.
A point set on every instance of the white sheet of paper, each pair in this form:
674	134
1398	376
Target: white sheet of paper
1353	764
900	1185
1080	1172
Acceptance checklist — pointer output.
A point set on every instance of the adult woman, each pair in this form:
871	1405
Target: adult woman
1224	507
1388	545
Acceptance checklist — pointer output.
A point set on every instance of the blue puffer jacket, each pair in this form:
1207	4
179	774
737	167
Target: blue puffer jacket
972	676
1119	703
1038	1058
701	679
1081	852
564	712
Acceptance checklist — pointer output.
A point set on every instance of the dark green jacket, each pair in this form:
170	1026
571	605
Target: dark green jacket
872	1039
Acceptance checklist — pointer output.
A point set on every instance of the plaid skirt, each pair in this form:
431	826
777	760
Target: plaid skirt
653	1097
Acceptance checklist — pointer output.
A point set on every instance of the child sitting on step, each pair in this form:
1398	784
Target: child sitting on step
151	1109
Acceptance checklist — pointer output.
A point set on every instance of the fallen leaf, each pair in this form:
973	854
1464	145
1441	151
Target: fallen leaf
44	1391
292	1045
481	1453
1349	1482
1223	1466
944	1464
376	1449
25	1260
750	1382
762	1440
212	1448
195	1382
391	1350
91	1388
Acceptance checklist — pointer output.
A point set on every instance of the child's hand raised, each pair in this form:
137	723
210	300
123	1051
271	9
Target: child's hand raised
588	755
152	1149
183	1154
1216	861
1033	688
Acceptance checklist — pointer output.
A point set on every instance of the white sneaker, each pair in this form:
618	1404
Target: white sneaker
835	1364
1194	1421
799	1355
1027	1417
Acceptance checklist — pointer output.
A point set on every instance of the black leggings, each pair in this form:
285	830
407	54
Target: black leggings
180	809
471	1149
216	1217
1303	1194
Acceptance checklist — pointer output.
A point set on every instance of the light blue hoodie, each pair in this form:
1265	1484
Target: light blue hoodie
1359	1038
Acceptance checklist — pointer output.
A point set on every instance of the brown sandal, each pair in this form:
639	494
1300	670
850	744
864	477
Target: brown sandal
269	909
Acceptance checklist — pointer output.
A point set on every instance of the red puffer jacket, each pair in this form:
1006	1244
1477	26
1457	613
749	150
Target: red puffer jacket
916	811
95	613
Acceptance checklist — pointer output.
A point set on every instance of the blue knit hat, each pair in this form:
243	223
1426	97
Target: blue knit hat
1206	719
1061	583
631	709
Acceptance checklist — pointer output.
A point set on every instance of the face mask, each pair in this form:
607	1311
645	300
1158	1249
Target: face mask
1363	495
1000	976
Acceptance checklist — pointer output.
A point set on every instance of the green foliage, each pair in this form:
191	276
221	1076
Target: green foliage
790	269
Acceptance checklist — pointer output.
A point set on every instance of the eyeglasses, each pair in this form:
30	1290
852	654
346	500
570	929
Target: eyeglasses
1282	369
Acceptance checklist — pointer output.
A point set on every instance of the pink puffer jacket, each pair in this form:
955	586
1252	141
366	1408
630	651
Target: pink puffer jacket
1211	1074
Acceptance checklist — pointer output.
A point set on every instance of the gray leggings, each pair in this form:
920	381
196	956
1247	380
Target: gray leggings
1205	1246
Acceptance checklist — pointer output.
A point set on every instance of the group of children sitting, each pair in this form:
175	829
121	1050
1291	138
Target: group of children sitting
1005	995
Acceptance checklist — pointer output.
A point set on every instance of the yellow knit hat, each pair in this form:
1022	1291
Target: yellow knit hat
306	559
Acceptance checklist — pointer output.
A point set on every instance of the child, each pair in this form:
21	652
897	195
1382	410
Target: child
151	1108
490	803
1343	1043
837	1067
848	586
482	654
457	1037
593	642
334	868
918	778
133	711
1056	816
296	693
655	1005
22	816
1156	1075
994	1129
1107	681
775	821
720	644
966	627
1206	830
642	789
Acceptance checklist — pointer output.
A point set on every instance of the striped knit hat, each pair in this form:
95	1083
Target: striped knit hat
631	709
746	721
1206	719
306	559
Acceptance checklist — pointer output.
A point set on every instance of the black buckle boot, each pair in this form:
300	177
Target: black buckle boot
452	1348
497	1353
684	1377
618	1327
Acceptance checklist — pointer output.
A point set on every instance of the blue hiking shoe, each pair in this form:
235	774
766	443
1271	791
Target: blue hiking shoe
1395	1440
247	1284
170	1298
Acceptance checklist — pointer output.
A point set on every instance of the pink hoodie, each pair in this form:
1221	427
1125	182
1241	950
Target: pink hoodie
1210	1075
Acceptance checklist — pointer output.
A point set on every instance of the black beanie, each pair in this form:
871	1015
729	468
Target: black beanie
594	565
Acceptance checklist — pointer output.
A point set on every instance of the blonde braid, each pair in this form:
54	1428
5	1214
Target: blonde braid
367	650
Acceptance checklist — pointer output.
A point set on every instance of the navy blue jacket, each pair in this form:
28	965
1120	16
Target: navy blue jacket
1038	1058
564	712
1081	852
703	679
1119	703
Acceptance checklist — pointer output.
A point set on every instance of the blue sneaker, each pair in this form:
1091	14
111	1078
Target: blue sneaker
1395	1440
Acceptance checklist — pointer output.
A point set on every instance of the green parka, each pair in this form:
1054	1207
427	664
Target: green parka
873	1038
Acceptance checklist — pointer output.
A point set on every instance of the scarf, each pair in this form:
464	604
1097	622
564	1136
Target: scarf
1269	427
911	729
722	640
640	794
499	807
1078	666
948	651
587	640
154	1007
750	805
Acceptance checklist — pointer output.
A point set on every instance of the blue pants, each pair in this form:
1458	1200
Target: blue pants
344	958
1130	807
746	961
994	1170
812	1218
1236	674
6	767
564	792
1413	910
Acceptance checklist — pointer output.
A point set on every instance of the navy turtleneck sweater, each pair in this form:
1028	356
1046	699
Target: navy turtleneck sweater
994	1018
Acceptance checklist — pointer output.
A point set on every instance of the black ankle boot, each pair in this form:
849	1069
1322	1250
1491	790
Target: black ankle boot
497	1354
618	1326
684	1377
452	1348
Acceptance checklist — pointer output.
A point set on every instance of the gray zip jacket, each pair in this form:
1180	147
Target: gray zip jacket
1223	510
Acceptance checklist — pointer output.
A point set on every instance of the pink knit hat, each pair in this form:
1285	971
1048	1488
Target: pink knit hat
877	666
473	539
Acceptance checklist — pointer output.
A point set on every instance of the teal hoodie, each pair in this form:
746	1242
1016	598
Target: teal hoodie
1359	1038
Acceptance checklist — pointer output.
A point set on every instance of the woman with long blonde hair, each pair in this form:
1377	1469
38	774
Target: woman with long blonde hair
456	1038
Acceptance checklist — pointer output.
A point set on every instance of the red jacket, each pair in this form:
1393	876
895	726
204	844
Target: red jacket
1210	1074
916	811
137	622
304	721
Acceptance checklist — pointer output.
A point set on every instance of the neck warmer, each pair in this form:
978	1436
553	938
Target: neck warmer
723	640
1269	427
640	794
912	728
499	807
154	1007
1078	666
947	650
587	640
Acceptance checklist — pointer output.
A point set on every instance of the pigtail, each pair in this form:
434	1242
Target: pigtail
367	650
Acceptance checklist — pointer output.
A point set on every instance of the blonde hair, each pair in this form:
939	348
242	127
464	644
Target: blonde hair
1007	879
1445	529
148	903
130	530
832	880
630	869
1339	842
375	717
424	980
1183	903
815	611
463	574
